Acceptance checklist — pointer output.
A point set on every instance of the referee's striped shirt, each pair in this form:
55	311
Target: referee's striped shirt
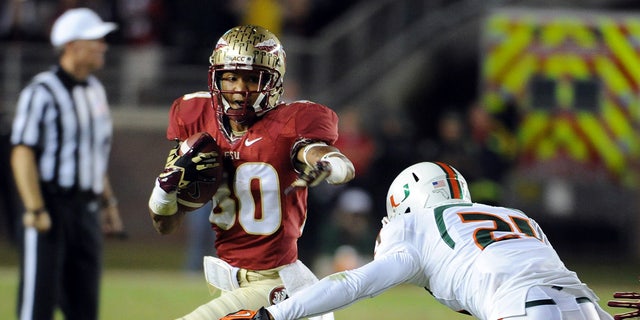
69	126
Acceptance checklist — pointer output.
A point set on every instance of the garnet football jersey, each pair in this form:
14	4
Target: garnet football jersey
266	223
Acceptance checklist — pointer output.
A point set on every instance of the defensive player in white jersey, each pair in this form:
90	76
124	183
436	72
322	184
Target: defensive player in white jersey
490	262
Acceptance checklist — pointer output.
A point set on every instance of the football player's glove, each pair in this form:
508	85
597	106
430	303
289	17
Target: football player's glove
170	178
191	164
631	304
311	176
260	314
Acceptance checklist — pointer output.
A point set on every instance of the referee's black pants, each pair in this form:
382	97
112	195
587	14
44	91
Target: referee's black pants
62	268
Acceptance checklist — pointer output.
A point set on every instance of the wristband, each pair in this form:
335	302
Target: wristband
163	203
340	169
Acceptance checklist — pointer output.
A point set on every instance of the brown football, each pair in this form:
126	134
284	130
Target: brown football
199	192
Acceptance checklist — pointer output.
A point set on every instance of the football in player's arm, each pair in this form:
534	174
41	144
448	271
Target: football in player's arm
486	261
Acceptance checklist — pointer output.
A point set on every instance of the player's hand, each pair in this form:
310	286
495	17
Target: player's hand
195	162
631	304
170	178
260	314
191	163
311	176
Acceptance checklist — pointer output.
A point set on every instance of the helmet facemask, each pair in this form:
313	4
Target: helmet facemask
248	48
267	82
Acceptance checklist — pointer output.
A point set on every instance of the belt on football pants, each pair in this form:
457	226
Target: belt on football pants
258	275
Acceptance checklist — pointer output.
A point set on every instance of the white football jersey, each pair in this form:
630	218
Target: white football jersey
478	258
471	257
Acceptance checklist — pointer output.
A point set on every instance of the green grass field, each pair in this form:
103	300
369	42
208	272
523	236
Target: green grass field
146	283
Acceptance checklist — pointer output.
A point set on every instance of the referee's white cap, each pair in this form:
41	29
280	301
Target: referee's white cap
79	24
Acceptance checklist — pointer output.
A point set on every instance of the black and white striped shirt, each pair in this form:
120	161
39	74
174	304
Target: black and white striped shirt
69	125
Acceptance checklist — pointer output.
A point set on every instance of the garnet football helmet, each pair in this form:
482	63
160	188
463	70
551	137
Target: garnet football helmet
248	48
426	185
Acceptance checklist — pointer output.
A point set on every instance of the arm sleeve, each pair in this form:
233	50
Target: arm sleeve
313	123
316	122
341	289
189	114
30	110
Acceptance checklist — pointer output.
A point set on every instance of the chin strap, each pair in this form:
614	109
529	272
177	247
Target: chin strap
257	108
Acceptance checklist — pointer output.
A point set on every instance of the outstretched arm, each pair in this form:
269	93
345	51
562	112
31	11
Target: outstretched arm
318	161
342	289
338	290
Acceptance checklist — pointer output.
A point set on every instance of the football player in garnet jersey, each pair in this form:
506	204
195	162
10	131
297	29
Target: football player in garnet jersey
272	152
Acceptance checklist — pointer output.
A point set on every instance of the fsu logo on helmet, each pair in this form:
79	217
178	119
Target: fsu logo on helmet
268	45
221	44
277	295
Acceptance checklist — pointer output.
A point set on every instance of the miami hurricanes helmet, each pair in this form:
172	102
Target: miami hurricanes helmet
248	48
426	185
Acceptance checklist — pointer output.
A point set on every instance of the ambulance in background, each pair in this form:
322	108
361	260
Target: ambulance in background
573	78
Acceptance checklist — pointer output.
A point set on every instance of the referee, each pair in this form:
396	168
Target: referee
61	137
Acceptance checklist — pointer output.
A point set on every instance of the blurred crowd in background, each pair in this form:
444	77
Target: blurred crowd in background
442	119
191	25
